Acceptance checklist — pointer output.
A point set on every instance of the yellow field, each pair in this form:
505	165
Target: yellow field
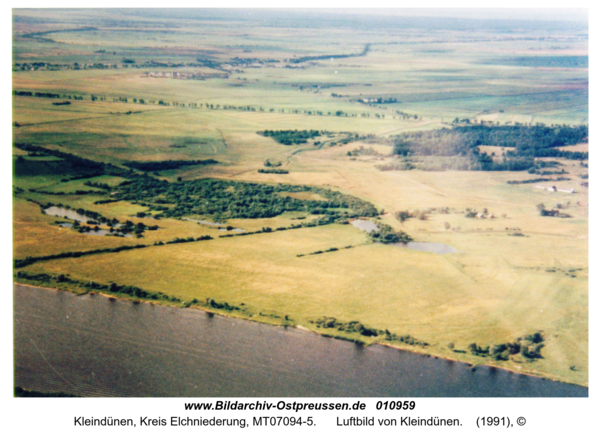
475	296
515	272
504	286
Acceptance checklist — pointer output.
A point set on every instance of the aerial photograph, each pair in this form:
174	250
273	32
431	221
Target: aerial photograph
300	203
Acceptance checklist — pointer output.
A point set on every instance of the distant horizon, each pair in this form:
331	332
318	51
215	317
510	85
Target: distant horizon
528	14
497	14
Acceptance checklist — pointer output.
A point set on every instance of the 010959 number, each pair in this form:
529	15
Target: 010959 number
395	405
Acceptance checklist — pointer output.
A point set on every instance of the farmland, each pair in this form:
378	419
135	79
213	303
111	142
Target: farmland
168	123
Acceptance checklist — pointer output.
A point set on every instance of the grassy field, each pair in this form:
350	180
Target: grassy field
490	301
515	272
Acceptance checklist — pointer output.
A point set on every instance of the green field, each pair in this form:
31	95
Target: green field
515	271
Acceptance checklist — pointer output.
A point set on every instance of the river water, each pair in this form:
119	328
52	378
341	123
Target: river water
94	346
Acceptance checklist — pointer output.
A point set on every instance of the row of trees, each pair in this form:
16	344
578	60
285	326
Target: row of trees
358	327
113	287
535	181
273	170
214	106
37	94
19	263
327	57
167	165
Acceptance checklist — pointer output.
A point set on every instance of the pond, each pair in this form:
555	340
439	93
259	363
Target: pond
369	226
67	213
91	345
364	225
440	248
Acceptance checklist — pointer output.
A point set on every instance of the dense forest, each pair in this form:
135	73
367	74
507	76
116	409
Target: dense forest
229	199
84	167
289	137
525	142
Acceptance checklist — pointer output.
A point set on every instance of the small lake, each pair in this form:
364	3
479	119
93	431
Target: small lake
364	225
94	346
67	213
369	226
440	248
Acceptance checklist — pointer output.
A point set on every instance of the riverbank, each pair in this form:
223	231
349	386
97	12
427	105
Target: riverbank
84	344
270	319
540	375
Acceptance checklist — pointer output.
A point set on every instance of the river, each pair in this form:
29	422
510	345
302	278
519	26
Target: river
91	345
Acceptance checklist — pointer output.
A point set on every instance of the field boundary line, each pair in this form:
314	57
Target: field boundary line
224	140
90	118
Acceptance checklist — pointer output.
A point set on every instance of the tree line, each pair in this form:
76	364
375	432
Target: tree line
359	328
212	106
526	140
19	263
127	290
528	346
24	262
37	94
273	170
84	166
167	165
364	51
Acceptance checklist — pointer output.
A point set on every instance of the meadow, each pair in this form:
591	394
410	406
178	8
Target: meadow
514	272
